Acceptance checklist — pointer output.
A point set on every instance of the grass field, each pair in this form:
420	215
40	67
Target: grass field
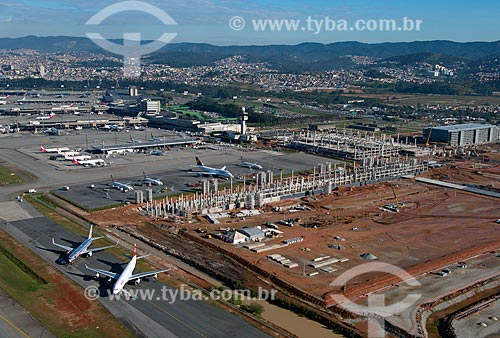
414	99
8	177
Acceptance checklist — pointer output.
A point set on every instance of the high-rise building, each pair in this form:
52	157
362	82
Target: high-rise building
132	91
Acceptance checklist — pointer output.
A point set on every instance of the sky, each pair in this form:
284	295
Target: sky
220	22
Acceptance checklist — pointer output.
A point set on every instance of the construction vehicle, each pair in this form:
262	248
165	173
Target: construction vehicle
394	207
398	204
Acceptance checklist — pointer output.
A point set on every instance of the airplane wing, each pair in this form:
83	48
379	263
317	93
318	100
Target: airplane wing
146	274
100	249
104	272
223	168
67	248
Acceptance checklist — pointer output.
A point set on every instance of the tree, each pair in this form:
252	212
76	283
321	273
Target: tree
253	308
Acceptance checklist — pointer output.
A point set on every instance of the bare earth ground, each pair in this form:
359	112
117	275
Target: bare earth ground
435	224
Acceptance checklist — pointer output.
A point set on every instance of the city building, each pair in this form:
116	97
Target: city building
463	134
152	106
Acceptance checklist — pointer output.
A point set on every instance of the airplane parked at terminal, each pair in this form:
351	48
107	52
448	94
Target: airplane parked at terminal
151	181
89	163
121	186
82	249
3	102
126	275
113	127
213	172
250	164
4	97
77	157
46	117
54	150
70	154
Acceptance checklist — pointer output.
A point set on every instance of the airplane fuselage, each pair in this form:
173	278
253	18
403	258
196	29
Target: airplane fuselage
121	186
124	276
79	250
215	172
251	165
152	181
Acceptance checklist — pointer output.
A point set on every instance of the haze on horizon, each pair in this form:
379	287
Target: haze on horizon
207	21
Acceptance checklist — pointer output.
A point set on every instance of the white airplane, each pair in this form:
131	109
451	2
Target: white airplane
121	186
3	102
126	275
77	157
89	163
213	172
54	150
4	97
69	154
46	117
151	181
82	249
113	127
250	164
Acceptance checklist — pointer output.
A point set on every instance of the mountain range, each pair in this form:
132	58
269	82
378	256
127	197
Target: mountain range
304	56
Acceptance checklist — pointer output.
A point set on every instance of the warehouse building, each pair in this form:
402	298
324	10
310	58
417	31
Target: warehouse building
463	134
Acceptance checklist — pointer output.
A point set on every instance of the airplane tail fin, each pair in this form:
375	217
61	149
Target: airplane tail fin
198	162
90	231
112	179
223	168
42	149
75	161
144	174
135	250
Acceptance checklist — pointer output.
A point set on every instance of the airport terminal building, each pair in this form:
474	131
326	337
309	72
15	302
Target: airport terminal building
463	134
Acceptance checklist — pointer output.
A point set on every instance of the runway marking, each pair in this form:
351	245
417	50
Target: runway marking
14	326
178	320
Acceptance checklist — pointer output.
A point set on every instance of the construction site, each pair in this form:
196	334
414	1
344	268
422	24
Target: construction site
301	232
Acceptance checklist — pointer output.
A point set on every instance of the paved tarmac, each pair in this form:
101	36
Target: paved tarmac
151	318
155	317
16	322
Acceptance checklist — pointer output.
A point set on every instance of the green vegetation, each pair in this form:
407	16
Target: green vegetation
15	280
8	177
20	265
253	308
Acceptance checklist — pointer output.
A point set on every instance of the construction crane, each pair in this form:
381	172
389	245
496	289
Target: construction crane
429	136
398	204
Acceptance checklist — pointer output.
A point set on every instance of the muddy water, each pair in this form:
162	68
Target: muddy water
299	326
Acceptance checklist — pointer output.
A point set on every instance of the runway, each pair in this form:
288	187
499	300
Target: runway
151	318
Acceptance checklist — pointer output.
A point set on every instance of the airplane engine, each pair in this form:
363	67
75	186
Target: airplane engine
137	281
155	276
89	254
97	276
